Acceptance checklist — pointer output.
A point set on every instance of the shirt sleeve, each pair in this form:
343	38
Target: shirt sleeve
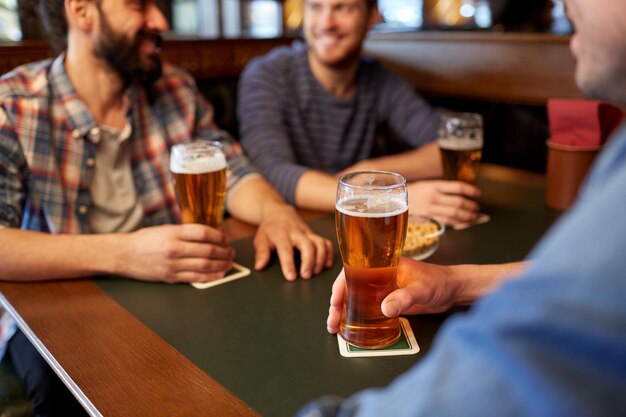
262	129
12	174
406	112
239	165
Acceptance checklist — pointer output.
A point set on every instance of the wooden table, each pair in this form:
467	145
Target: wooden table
255	345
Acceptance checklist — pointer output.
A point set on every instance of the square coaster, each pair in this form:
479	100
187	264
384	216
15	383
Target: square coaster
236	272
482	218
405	345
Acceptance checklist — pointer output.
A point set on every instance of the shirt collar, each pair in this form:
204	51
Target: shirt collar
80	120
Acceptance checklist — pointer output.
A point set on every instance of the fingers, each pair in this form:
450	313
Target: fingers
315	253
201	270
262	251
284	250
280	241
459	188
199	242
202	250
336	304
400	301
339	288
457	201
334	317
201	233
307	256
199	262
454	209
204	265
330	254
450	201
423	288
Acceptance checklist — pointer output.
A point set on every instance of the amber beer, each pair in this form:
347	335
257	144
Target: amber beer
199	177
460	160
461	143
371	232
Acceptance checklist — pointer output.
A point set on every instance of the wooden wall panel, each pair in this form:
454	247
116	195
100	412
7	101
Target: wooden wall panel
204	59
516	68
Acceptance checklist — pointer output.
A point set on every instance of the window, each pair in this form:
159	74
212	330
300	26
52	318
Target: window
400	14
9	21
239	18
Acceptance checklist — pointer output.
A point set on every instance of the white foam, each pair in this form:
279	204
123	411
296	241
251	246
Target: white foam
197	164
461	144
373	206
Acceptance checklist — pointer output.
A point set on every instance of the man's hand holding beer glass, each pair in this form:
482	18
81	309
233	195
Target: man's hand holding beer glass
371	221
451	202
459	146
199	175
198	172
424	288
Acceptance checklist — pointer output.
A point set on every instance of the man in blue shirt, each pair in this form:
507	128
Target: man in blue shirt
551	342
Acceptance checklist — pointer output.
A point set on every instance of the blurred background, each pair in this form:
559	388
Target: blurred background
275	18
500	58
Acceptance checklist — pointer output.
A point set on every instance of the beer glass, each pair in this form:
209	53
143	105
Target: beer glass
371	220
461	143
199	175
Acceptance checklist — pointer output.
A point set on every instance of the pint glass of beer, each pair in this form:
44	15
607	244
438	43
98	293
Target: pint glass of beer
371	220
461	143
199	175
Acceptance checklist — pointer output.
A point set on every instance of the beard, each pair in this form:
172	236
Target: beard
122	54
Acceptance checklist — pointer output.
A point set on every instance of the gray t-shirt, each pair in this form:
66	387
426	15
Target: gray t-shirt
115	204
289	123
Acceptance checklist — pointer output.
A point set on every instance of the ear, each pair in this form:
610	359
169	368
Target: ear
374	17
80	14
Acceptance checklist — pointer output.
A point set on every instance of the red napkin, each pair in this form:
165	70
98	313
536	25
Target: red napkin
581	123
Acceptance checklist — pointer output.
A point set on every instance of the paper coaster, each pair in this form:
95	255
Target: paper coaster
406	345
236	272
482	218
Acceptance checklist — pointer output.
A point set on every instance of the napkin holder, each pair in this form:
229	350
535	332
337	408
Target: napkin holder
566	169
578	129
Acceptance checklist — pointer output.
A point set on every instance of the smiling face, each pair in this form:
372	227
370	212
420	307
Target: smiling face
599	46
129	38
335	30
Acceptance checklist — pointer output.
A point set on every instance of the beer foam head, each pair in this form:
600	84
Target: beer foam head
461	144
196	159
372	206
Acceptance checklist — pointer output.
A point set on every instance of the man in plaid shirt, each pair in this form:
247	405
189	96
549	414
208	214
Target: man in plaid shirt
84	170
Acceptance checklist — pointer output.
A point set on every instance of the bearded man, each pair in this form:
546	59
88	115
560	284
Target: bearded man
84	157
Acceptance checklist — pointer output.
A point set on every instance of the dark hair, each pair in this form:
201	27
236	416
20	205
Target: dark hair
52	15
372	3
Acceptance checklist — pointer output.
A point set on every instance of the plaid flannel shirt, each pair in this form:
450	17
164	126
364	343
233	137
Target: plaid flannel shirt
47	146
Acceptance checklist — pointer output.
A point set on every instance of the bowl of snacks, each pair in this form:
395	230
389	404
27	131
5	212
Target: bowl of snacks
422	236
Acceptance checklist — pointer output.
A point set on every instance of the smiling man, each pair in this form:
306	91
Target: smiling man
84	181
311	112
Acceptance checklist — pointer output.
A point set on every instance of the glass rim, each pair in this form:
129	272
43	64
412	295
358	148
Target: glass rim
199	142
401	183
460	114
